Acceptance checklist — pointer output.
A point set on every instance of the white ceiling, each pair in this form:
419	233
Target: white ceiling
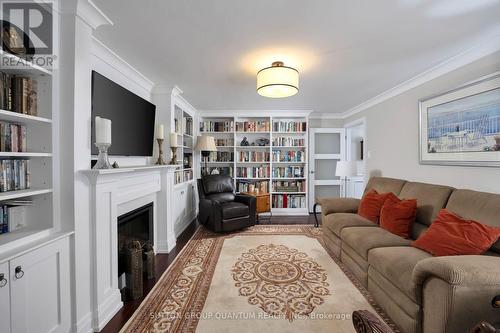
346	51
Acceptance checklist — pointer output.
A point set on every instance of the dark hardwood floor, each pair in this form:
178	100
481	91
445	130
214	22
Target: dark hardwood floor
162	262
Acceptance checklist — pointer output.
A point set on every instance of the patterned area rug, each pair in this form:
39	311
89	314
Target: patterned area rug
265	278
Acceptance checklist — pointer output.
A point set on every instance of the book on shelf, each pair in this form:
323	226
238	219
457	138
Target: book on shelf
288	172
216	126
288	142
253	172
289	186
289	201
221	156
290	126
223	142
288	156
250	186
12	137
188	175
14	175
19	94
11	218
253	126
253	156
187	124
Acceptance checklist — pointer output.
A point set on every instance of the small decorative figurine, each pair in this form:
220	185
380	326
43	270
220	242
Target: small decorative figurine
244	142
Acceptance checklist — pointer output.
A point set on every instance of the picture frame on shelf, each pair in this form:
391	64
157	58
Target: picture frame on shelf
462	126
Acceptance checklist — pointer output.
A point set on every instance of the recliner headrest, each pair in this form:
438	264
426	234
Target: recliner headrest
217	184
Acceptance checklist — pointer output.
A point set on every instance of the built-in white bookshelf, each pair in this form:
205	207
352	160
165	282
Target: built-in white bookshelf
34	198
183	126
275	158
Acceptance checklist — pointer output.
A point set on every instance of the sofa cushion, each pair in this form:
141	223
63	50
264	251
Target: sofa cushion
231	210
451	235
384	185
338	221
397	216
430	199
478	206
371	205
363	239
396	264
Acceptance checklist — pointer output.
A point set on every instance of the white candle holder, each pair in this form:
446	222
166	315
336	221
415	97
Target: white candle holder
102	159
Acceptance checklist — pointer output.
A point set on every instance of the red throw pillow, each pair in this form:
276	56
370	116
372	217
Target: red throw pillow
450	235
371	204
397	216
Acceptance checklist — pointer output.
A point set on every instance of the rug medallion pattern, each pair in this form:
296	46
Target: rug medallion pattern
280	280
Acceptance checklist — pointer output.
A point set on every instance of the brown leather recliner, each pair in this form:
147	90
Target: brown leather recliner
220	209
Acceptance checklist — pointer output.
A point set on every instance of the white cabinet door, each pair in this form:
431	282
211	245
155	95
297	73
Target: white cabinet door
40	290
4	298
179	202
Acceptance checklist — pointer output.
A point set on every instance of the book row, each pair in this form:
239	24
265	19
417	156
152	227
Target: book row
253	126
288	172
289	201
221	156
224	142
289	186
254	156
288	142
11	218
252	187
290	126
12	137
187	124
183	176
289	156
253	172
216	126
14	175
18	94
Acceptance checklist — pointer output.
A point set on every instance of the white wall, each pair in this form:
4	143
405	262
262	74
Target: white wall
392	134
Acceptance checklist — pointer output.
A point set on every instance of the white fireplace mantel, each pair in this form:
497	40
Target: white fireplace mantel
113	193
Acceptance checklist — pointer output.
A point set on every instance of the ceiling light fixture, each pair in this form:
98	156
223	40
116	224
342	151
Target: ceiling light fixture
277	81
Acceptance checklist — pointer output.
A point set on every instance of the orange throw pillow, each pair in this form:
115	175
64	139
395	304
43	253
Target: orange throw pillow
450	235
371	204
397	216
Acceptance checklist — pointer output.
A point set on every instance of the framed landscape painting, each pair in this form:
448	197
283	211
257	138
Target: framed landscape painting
462	126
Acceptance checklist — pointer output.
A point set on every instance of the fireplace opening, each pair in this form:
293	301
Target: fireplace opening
136	225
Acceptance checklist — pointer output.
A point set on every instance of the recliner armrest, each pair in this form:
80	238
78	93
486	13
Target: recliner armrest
471	271
245	199
339	205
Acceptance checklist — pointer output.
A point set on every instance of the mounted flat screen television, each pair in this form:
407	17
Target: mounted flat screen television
132	118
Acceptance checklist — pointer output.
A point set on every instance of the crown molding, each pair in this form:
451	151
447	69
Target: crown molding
321	115
105	54
91	14
464	58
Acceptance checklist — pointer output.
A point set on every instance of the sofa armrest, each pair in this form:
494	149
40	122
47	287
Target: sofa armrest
471	271
338	205
458	291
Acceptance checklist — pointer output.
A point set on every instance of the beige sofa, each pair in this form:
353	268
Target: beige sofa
420	293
